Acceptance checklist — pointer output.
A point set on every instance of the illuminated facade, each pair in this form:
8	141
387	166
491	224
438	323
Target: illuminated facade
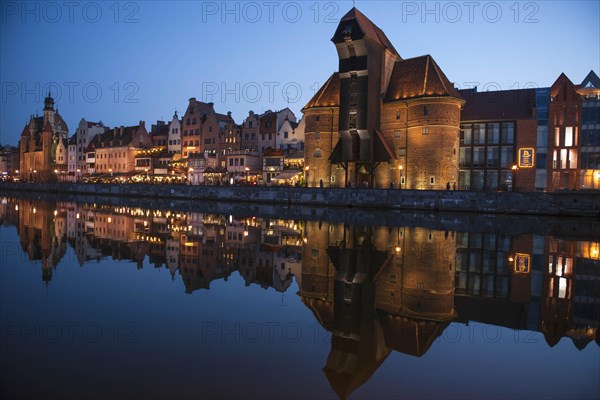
37	147
409	139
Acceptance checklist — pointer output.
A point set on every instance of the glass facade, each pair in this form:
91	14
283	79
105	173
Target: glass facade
542	99
486	156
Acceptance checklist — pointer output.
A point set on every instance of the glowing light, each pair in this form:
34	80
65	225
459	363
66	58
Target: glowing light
77	216
109	220
398	249
511	259
17	207
55	213
514	167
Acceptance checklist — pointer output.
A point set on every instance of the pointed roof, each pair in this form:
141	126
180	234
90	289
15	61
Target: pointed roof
48	127
368	28
591	79
328	95
418	77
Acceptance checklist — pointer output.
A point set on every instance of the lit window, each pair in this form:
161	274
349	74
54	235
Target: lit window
569	136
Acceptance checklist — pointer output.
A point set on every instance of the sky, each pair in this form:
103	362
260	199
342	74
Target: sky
123	62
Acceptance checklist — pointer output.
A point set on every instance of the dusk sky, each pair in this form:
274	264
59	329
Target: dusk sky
142	60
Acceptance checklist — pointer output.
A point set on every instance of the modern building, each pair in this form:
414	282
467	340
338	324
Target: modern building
494	126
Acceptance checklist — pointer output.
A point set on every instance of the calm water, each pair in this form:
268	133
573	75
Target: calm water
118	301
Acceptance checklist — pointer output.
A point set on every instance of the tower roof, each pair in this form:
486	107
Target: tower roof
368	28
328	95
418	77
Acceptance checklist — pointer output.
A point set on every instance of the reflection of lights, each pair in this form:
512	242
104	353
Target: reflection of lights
34	210
594	252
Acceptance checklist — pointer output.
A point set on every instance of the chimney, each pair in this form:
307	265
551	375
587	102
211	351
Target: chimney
229	114
192	99
121	130
211	104
142	124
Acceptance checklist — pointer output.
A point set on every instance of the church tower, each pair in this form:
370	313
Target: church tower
49	109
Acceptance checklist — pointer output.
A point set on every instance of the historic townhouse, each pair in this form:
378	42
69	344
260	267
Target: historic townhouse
174	144
249	132
115	151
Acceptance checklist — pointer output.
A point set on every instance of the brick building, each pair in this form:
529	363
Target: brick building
354	138
37	147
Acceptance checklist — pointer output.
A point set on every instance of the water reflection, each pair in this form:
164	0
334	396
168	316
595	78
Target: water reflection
375	289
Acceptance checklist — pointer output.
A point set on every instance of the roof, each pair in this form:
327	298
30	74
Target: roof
418	77
73	140
505	104
368	28
328	95
592	79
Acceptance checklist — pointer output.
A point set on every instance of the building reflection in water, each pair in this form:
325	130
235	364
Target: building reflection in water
376	289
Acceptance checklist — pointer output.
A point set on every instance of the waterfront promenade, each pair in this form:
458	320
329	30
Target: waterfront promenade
572	203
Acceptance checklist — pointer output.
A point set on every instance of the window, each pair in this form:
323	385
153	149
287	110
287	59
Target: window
465	134
508	132
210	128
569	136
250	124
285	134
479	133
231	162
241	162
493	136
317	153
506	157
425	131
397	134
425	110
432	180
398	115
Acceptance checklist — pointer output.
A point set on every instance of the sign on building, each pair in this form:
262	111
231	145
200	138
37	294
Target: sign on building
522	263
526	157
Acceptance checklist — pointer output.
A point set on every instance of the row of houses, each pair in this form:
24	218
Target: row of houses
399	123
202	147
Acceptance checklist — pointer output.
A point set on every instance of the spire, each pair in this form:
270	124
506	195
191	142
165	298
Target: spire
49	102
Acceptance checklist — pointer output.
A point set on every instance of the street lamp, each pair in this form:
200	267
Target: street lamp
247	174
514	169
401	168
78	174
306	175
